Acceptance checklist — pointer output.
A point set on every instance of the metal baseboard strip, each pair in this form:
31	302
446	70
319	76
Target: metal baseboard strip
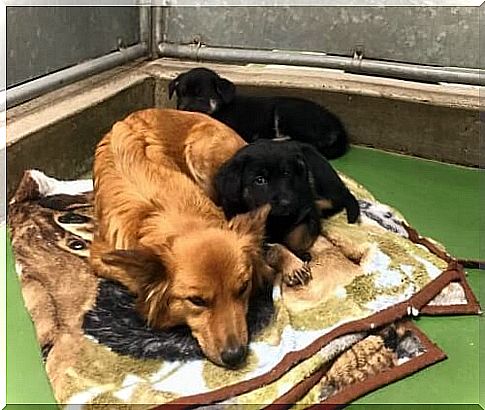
34	88
352	65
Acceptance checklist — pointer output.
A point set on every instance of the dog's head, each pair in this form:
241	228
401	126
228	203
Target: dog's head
265	172
203	279
201	90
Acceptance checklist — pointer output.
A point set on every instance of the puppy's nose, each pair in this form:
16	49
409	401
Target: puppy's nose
234	356
283	207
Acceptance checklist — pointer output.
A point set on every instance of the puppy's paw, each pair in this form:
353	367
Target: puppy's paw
293	270
305	256
296	272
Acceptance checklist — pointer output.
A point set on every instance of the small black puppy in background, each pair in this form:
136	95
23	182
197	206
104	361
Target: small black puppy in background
203	90
295	179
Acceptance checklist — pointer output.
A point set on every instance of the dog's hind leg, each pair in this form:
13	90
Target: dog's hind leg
301	238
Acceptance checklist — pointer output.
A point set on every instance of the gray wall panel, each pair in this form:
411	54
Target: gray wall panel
446	36
41	40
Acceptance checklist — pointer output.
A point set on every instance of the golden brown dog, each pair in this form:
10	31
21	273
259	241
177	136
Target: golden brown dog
164	239
200	153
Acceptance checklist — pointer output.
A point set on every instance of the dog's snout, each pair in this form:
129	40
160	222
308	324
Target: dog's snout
234	356
281	206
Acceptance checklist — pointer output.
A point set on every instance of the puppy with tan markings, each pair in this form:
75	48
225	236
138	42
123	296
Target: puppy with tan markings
161	236
298	182
260	117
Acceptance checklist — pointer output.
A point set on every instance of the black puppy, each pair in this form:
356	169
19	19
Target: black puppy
295	179
203	90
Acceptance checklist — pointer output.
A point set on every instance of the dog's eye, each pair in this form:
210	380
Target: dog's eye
198	301
243	288
260	181
286	173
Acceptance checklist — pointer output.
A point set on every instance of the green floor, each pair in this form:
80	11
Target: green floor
441	201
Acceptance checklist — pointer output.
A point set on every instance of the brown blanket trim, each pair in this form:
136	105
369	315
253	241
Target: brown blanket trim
415	237
297	392
389	315
432	355
472	307
466	263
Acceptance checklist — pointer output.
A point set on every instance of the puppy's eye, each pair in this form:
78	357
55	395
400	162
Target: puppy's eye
286	173
243	288
198	301
260	181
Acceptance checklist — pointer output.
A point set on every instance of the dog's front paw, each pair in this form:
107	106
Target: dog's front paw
297	273
293	270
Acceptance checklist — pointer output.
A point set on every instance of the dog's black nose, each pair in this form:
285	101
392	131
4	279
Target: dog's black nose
234	356
282	207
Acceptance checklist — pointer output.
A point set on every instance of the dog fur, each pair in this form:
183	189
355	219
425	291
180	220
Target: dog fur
203	90
160	235
298	183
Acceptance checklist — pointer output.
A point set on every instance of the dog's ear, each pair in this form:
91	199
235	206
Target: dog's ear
252	227
228	186
144	274
172	85
314	160
252	223
328	186
324	178
225	89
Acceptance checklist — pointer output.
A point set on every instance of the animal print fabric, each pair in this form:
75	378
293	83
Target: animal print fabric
97	350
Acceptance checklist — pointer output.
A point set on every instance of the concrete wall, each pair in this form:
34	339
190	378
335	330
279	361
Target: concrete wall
41	40
444	36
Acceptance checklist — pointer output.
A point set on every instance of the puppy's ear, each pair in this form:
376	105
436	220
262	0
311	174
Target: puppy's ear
328	186
252	223
225	89
228	186
143	273
172	85
323	177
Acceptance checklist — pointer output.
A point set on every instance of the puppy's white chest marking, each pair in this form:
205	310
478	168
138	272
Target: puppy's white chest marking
213	105
282	138
278	135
